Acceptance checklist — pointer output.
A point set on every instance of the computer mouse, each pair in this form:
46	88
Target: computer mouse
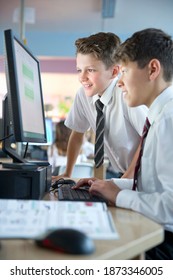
66	240
63	182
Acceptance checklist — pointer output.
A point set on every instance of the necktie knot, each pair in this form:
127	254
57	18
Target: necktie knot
146	128
99	105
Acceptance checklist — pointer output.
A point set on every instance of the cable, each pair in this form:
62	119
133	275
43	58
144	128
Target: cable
26	148
59	183
6	137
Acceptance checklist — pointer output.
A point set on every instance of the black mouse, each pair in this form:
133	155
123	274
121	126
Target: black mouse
62	182
66	240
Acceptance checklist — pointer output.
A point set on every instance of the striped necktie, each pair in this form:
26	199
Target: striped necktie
99	141
138	163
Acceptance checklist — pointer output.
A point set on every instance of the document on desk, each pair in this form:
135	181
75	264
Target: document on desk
31	219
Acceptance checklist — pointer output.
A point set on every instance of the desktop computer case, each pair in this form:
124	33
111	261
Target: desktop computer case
25	184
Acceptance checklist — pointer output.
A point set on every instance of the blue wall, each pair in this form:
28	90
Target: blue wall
49	44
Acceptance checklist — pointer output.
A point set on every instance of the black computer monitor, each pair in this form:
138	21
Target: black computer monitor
23	107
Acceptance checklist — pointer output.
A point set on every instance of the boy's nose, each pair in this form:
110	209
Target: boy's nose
83	77
120	83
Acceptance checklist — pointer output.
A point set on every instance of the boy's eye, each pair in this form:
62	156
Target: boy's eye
123	71
91	70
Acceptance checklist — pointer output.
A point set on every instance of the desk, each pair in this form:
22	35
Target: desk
137	234
2	160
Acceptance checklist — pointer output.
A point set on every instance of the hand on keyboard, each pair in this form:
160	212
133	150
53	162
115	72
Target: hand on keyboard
66	192
84	182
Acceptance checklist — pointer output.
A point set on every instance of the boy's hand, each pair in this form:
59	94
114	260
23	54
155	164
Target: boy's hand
84	182
106	189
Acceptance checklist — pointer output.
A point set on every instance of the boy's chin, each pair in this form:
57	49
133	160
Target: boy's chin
131	103
90	94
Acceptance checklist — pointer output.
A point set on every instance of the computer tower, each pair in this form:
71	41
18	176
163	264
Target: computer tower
25	184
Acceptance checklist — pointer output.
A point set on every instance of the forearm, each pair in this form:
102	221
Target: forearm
73	150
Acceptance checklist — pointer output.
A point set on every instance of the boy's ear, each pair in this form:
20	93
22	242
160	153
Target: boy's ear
115	71
154	69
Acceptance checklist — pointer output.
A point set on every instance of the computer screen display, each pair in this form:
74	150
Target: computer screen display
24	91
49	134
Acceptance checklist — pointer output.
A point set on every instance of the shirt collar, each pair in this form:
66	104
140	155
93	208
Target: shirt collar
159	103
106	96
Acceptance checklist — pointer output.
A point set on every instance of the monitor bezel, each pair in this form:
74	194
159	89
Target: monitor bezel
13	90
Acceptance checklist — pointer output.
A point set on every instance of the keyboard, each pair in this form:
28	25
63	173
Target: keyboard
65	192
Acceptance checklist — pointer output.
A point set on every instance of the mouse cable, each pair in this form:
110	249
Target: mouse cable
59	183
26	148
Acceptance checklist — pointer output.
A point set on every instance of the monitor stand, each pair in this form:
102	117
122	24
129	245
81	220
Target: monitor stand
8	133
39	163
33	165
18	165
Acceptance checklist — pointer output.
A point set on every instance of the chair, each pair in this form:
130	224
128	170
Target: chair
80	170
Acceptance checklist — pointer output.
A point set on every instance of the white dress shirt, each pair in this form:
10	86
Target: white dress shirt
123	125
154	197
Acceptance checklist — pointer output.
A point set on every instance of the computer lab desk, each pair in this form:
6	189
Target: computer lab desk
136	235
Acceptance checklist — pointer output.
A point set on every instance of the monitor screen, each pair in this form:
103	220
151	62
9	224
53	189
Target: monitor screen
24	92
49	134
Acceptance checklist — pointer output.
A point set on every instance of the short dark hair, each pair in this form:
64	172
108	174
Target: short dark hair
148	44
101	45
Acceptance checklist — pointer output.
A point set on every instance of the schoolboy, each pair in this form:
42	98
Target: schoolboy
98	74
147	74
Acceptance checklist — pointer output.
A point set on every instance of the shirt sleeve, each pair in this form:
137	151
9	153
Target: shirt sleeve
123	183
77	119
156	206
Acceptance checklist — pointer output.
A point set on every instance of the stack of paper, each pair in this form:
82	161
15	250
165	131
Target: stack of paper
31	219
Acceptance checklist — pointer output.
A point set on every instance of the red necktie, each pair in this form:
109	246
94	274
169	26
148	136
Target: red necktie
138	163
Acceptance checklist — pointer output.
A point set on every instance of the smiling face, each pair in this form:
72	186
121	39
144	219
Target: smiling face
93	75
